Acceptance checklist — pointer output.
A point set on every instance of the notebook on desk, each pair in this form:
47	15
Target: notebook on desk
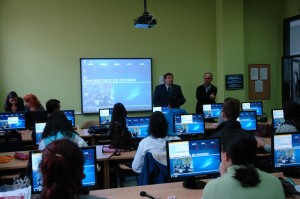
90	169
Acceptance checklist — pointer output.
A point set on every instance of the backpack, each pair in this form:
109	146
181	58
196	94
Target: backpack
121	138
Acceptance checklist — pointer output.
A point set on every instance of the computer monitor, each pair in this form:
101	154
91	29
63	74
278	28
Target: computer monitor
90	169
277	118
105	116
189	124
138	126
192	159
212	111
286	153
253	106
70	115
37	132
34	116
163	109
12	121
248	120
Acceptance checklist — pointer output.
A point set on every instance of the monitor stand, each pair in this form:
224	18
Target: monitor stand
194	183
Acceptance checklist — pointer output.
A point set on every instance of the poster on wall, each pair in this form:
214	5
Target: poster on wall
234	82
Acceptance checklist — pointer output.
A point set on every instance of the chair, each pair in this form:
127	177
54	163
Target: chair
11	142
154	170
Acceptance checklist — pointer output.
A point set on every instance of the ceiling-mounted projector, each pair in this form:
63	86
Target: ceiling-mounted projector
146	20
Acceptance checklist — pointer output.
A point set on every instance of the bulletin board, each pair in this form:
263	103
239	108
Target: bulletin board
259	81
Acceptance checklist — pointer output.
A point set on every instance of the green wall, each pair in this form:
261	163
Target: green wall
41	43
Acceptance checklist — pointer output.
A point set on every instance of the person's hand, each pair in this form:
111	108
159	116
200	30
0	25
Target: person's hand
222	168
212	96
13	108
260	142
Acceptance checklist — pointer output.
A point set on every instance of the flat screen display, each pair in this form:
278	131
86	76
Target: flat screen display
70	115
193	158
187	124
277	118
211	111
248	120
105	116
106	81
38	131
12	121
90	169
253	106
163	109
138	126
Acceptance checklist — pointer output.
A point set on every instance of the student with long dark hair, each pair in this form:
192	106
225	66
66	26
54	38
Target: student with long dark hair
62	171
239	178
13	103
59	127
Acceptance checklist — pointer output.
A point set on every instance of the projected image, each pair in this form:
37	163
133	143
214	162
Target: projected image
105	82
189	124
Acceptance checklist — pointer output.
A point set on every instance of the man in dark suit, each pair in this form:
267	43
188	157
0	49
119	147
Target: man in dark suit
163	92
206	93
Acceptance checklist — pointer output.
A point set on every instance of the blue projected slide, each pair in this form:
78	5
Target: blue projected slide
187	158
253	106
105	82
70	115
189	124
212	110
138	126
248	120
12	121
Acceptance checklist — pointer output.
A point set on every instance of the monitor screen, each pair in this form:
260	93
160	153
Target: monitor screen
286	153
70	115
105	116
90	169
212	110
253	106
193	158
12	121
277	118
38	131
248	120
138	126
34	116
106	81
163	109
187	124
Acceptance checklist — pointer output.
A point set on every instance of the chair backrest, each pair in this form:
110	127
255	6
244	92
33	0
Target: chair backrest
11	142
153	171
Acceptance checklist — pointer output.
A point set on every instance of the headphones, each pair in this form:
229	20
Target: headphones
263	118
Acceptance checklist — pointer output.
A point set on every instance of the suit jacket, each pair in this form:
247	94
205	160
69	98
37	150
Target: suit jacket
161	95
203	97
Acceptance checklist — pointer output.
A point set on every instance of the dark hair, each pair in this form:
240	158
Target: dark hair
7	105
240	147
291	111
52	105
62	170
58	122
118	115
158	125
231	108
174	102
167	74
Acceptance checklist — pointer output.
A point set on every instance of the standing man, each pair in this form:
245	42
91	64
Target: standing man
206	93
163	92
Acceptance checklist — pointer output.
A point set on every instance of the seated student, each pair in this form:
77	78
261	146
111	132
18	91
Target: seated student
62	171
121	138
59	127
32	103
220	119
230	113
155	142
52	105
13	103
239	178
291	112
174	109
